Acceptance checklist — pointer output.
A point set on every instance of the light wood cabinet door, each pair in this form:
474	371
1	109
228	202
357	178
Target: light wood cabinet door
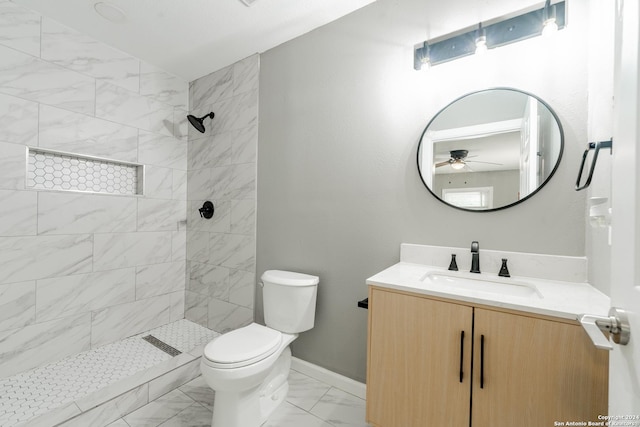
414	361
535	372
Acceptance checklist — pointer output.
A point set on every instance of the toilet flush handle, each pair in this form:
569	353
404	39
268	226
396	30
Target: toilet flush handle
261	283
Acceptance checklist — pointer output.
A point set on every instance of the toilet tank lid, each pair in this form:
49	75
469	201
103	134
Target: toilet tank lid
289	278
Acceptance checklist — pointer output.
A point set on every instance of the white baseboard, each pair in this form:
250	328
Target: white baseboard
328	377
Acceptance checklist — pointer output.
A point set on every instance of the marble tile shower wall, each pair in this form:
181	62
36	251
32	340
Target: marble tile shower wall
81	270
222	168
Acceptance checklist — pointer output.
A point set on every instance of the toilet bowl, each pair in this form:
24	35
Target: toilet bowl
248	367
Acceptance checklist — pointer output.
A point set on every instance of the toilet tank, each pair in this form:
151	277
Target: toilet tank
289	300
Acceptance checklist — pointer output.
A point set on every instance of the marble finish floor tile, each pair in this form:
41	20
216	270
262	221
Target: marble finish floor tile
119	423
198	390
288	415
304	391
328	406
158	411
194	416
341	409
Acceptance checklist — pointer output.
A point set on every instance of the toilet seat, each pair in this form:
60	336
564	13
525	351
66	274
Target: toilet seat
242	347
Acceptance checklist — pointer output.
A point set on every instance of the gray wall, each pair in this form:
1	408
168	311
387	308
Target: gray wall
221	251
341	113
81	270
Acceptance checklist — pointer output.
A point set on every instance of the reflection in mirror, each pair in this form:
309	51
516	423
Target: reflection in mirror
491	149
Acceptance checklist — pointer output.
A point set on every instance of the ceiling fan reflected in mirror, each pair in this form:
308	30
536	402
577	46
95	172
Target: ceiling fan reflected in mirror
459	160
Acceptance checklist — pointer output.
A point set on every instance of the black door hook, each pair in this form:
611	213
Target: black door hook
592	146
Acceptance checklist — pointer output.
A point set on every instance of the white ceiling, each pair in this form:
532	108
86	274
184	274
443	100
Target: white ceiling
192	38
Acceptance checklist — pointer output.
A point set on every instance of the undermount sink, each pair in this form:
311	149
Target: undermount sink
491	285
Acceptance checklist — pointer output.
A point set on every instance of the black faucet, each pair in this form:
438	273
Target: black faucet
475	257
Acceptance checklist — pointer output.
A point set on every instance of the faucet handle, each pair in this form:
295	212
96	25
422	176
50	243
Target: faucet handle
475	246
504	271
453	265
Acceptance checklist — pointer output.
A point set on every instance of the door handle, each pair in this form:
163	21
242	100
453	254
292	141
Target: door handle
617	324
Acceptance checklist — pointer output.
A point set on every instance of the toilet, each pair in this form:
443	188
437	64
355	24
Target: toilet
248	367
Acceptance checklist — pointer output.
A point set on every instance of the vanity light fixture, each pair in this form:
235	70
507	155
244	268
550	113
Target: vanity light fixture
491	34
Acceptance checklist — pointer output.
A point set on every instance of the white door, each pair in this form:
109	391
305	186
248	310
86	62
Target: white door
624	383
529	139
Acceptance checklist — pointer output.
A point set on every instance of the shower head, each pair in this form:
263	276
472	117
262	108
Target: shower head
198	122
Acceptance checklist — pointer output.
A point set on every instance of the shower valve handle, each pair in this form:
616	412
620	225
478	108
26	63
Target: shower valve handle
207	209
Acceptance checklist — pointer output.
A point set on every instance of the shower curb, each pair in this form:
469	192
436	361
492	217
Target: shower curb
122	397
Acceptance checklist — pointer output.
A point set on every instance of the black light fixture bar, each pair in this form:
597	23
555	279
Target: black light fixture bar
498	32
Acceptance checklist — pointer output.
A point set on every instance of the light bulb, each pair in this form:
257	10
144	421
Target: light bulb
425	59
481	45
421	59
425	63
550	27
457	164
481	40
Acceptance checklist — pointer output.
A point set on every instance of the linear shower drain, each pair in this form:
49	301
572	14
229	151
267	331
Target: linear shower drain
162	345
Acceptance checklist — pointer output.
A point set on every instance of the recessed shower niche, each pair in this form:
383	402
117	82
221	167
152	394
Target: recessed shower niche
59	171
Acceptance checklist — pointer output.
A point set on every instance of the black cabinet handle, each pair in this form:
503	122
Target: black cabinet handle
481	361
461	355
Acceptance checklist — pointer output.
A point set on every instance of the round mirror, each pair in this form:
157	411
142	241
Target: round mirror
491	149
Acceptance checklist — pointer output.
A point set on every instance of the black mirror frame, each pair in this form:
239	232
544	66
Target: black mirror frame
555	168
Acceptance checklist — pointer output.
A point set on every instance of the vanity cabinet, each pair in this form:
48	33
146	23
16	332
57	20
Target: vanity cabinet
413	369
450	363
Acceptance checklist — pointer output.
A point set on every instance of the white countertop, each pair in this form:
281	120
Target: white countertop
548	297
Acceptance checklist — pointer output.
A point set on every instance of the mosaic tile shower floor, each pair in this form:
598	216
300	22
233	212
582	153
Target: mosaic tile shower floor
31	393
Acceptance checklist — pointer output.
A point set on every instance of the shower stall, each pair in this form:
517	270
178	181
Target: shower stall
101	241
